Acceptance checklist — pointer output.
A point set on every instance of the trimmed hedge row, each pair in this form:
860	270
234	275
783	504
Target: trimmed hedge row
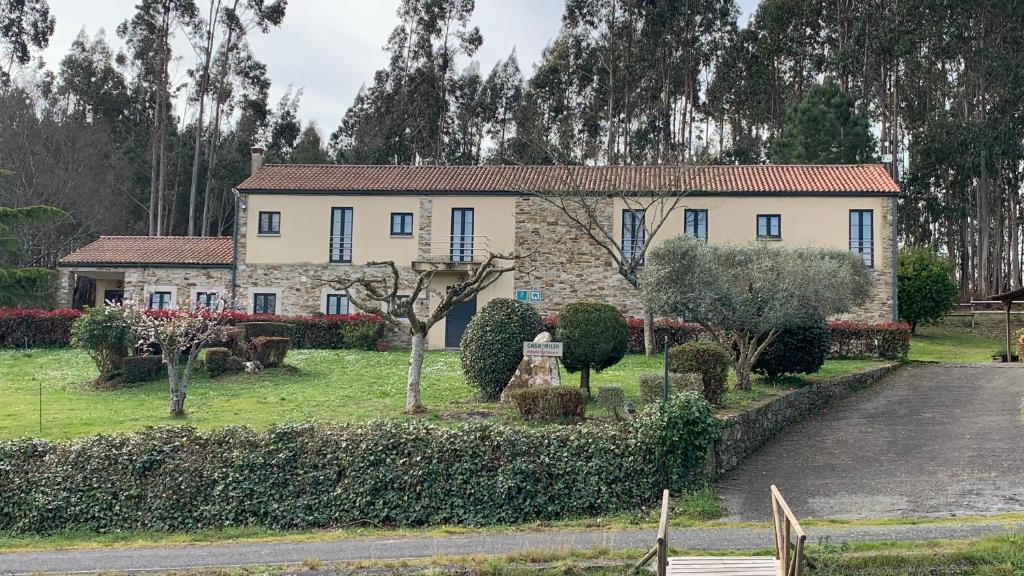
21	328
677	332
301	476
30	328
890	341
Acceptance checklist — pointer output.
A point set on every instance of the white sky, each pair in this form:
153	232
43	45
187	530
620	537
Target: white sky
329	48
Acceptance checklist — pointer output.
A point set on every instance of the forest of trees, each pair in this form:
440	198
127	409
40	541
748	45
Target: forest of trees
937	85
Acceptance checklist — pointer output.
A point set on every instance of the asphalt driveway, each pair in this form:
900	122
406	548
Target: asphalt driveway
930	440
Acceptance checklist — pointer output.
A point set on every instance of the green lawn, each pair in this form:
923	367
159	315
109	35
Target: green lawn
322	385
946	344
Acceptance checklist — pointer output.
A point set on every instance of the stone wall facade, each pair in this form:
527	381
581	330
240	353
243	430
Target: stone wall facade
566	265
744	433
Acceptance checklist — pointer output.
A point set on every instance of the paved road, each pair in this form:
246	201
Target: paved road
225	555
930	440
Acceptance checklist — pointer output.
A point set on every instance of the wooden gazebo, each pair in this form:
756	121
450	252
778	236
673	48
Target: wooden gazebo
1008	298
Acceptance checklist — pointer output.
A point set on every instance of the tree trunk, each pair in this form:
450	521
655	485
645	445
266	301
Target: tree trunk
585	379
177	388
413	404
650	346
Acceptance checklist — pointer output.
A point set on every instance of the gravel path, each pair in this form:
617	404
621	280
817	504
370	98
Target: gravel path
242	554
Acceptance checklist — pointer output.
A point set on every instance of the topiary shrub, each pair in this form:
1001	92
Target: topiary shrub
797	350
252	330
220	361
142	369
709	360
926	285
268	350
361	336
492	345
594	337
652	385
230	337
612	398
550	403
105	334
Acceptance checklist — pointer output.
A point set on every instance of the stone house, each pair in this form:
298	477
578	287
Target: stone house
298	224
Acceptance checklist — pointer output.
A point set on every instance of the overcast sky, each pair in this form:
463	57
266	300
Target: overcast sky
329	48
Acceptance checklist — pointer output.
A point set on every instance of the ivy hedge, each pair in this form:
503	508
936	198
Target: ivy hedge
304	476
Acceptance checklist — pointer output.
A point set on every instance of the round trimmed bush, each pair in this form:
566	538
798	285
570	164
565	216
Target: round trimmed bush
492	344
926	285
709	360
797	350
594	336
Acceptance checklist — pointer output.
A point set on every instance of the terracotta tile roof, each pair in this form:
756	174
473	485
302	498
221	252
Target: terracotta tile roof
770	179
142	250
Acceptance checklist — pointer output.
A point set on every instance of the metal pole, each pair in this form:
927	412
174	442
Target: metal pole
665	397
40	407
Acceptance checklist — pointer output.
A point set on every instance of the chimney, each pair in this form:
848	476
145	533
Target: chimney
257	158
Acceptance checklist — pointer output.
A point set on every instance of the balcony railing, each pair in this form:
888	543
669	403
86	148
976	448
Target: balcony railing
340	249
458	251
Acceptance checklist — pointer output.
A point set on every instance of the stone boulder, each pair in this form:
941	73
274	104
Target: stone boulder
534	371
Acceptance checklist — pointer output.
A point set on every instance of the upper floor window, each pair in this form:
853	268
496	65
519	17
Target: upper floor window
270	223
462	235
861	235
264	303
341	235
401	223
634	235
336	304
207	300
695	223
159	300
769	227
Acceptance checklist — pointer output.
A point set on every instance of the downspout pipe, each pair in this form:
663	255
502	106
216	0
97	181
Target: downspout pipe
234	249
895	261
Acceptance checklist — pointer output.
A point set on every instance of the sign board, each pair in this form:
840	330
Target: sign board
535	296
886	158
522	295
550	349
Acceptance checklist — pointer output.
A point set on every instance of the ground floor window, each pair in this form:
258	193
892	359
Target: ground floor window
336	304
264	303
159	300
207	299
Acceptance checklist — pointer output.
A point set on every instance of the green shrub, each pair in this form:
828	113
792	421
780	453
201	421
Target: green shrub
362	336
652	385
797	350
612	398
550	403
104	333
269	351
926	285
142	369
594	337
889	341
220	361
389	473
230	337
492	345
253	330
709	360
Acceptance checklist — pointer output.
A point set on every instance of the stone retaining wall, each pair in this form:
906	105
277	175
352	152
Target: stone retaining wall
744	433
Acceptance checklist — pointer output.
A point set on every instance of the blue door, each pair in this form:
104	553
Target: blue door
456	322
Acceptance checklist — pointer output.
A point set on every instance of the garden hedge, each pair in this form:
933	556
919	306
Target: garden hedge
24	328
385	473
889	341
29	328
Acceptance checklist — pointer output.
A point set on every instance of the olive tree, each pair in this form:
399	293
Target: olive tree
745	295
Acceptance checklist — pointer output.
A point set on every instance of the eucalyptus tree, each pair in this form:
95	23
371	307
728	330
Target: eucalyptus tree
25	27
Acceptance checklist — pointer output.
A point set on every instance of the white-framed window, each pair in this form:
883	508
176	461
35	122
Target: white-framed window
264	300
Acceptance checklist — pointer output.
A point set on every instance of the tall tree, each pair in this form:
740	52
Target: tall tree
824	128
25	26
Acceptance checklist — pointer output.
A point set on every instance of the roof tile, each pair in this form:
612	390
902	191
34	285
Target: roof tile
777	179
187	250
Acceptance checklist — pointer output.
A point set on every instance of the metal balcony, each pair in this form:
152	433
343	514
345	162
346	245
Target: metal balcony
457	253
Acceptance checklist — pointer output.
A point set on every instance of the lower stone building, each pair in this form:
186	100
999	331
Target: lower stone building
299	226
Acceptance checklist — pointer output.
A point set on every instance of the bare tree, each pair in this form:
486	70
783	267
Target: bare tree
379	290
588	208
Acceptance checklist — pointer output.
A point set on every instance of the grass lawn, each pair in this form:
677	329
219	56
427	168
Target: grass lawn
941	343
322	385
